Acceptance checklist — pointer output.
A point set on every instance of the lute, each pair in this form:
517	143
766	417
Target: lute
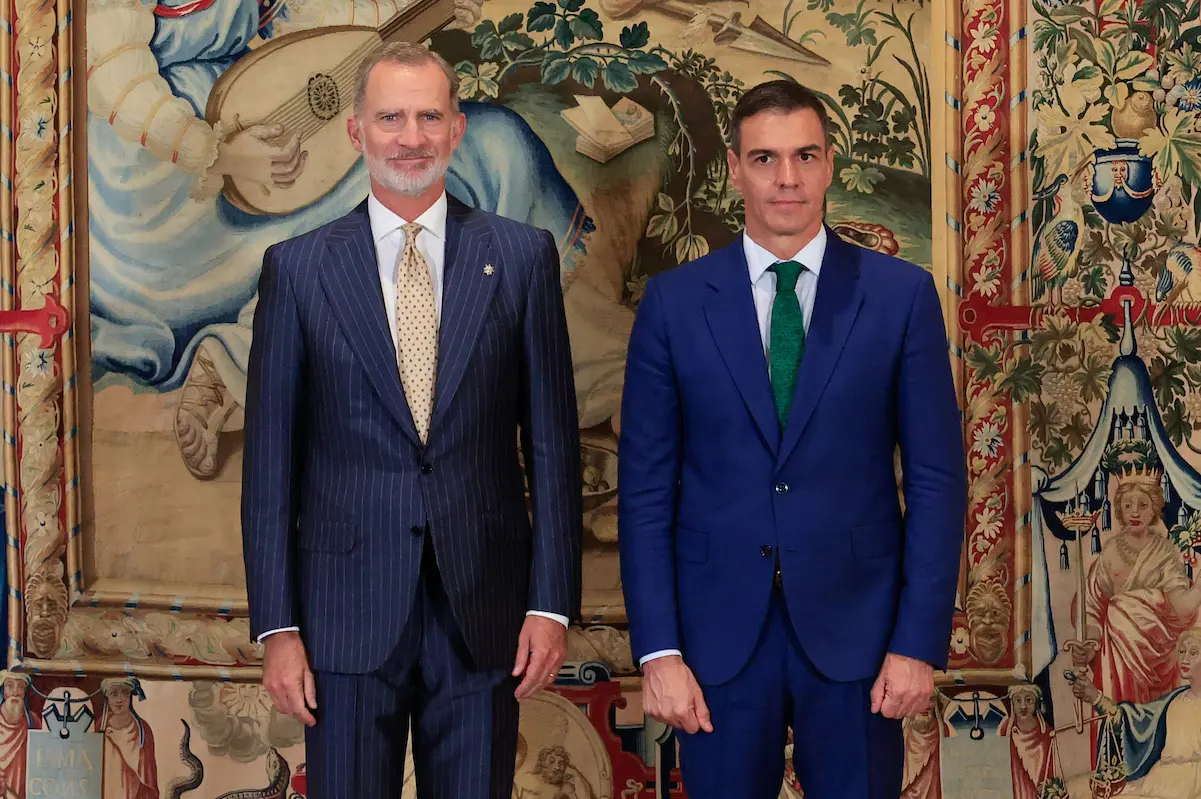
304	81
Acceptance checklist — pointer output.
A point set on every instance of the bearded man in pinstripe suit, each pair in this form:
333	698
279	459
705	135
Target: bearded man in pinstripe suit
393	571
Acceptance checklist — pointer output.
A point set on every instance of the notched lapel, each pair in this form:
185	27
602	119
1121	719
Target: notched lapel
835	309
352	286
468	287
730	312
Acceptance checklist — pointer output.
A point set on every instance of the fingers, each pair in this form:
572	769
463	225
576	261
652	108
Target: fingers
523	652
288	163
679	703
892	706
284	174
703	719
263	132
288	694
310	689
301	713
289	681
535	676
878	693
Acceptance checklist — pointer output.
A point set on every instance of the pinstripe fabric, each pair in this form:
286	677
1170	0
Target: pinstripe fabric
338	493
464	722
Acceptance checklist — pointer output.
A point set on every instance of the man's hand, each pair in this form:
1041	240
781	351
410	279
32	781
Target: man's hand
904	687
287	676
541	649
670	694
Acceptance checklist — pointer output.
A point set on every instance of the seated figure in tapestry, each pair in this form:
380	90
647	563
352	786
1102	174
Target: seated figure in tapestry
1138	599
1157	739
173	266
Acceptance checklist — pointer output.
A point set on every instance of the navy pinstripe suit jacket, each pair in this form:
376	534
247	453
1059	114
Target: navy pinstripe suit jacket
337	490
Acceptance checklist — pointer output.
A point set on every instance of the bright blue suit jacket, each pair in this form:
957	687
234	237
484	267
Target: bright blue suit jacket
713	490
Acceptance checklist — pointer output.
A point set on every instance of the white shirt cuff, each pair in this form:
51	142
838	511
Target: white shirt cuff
280	630
557	617
662	653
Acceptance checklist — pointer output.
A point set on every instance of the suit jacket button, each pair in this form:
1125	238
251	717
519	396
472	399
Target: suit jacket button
781	488
765	551
426	468
417	530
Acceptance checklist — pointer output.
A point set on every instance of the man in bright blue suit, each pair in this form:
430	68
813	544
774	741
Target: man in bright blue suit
771	576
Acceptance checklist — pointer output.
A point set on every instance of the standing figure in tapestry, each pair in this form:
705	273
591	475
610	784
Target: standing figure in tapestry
15	723
173	265
922	778
1031	741
130	770
1139	597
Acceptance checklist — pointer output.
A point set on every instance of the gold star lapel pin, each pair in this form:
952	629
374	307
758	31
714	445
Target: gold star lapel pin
488	270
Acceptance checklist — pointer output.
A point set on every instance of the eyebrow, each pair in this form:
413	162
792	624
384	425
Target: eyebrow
397	112
810	149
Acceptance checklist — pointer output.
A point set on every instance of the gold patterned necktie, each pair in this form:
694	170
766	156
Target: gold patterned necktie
417	330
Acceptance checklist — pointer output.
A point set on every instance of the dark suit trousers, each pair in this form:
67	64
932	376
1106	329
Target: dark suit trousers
464	721
840	749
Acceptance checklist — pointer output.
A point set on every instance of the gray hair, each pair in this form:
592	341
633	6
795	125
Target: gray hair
405	54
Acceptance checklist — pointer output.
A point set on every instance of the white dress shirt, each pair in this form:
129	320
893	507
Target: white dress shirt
387	229
763	287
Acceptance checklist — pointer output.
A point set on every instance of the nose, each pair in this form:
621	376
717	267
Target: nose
788	173
409	134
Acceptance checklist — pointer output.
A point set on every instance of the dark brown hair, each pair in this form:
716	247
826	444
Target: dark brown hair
776	95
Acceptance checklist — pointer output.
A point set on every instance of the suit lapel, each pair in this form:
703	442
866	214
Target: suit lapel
466	294
835	307
352	284
730	312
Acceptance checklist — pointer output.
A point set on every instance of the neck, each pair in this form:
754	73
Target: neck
782	245
406	206
1136	533
119	721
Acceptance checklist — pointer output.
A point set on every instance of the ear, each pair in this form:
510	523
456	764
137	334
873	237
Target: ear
734	166
458	128
355	131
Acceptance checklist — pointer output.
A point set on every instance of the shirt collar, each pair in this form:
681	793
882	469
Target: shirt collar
384	222
810	256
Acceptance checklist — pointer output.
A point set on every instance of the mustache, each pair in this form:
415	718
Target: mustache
411	154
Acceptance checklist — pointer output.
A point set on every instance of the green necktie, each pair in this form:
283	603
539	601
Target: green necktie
787	342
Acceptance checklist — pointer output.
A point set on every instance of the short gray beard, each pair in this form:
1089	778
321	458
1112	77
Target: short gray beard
409	184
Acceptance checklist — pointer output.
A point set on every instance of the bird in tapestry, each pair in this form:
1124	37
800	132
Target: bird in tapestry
1057	242
1180	279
